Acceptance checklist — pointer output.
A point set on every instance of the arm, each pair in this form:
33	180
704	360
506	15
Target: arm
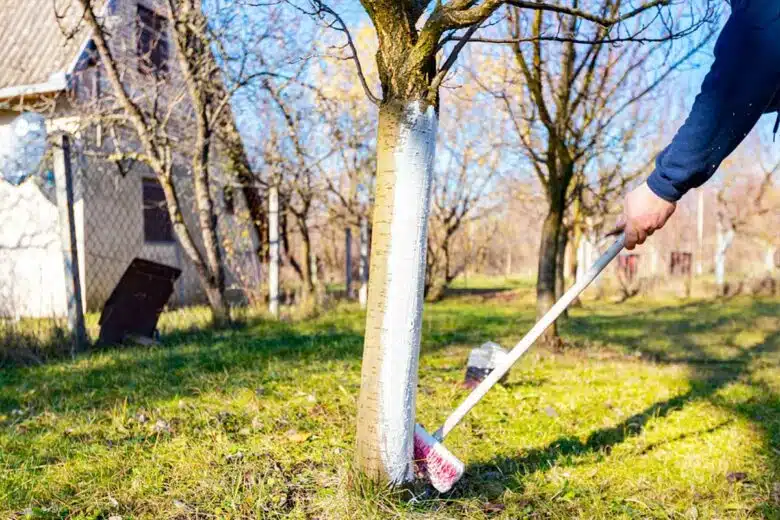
739	87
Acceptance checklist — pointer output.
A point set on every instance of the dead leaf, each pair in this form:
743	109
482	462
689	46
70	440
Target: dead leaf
295	436
550	411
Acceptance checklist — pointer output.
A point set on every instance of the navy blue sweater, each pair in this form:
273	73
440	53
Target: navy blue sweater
742	84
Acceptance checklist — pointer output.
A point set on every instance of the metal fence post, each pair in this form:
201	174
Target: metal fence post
63	177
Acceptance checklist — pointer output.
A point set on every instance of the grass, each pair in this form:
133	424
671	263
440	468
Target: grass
656	410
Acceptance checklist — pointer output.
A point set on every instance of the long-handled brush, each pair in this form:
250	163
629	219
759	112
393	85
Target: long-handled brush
442	468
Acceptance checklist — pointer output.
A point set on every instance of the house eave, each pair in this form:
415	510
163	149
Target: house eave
57	82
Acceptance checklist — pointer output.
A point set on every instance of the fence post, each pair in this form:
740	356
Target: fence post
63	179
273	249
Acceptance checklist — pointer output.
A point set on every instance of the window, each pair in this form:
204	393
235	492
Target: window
87	76
157	222
152	42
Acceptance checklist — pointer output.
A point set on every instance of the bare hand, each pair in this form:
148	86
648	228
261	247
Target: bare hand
644	213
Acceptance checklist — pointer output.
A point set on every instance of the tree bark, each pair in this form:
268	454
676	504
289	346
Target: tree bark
308	267
386	407
547	269
560	277
207	219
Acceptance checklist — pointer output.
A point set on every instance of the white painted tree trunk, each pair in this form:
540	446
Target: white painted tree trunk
700	236
769	259
585	253
724	237
653	260
386	408
363	265
273	248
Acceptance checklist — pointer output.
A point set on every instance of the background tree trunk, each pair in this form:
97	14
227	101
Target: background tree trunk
386	408
560	277
363	268
547	269
348	261
724	239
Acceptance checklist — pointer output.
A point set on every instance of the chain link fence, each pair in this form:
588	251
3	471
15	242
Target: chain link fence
72	224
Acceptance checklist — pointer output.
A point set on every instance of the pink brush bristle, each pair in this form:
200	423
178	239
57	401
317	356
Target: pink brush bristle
435	461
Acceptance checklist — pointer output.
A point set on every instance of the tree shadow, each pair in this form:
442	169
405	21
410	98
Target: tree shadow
186	362
182	365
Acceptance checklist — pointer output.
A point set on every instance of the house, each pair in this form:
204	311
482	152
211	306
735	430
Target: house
119	209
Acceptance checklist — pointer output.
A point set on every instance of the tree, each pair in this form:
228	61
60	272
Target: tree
148	107
462	180
576	109
410	37
742	203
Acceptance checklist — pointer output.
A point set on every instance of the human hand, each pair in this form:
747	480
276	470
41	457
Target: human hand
644	213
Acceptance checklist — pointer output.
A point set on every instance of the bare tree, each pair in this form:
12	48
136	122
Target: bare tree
411	36
742	201
148	95
573	107
460	192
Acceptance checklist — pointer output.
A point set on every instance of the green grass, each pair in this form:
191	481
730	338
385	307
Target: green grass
654	411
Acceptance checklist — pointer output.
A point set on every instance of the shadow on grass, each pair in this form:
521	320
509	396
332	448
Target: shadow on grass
197	361
709	374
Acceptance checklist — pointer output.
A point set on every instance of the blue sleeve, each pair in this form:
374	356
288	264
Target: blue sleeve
739	87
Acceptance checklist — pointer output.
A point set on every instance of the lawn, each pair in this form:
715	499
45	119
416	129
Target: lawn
654	410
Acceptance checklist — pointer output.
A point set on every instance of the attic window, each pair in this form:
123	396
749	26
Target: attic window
152	40
86	78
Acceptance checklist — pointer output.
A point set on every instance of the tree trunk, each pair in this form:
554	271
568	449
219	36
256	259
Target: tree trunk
308	262
273	253
207	220
560	277
547	269
348	261
363	266
574	258
386	409
724	237
769	259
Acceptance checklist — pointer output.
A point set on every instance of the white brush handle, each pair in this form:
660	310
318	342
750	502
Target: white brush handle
524	344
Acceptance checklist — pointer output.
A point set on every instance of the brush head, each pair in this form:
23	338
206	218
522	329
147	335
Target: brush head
435	461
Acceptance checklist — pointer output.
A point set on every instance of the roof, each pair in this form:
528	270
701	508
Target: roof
34	41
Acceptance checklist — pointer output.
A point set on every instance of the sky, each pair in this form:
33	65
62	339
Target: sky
683	86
